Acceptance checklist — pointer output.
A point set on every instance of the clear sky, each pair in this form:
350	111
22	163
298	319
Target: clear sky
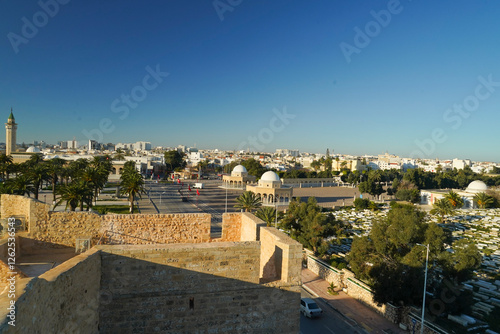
418	78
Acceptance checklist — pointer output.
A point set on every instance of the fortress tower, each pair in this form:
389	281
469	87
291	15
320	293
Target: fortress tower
10	130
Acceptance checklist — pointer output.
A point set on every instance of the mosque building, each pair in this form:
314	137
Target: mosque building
429	197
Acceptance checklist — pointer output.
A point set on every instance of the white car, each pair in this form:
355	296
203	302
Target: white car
309	308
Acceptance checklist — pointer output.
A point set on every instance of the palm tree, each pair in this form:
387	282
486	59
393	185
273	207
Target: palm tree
75	193
482	200
5	163
267	214
37	173
132	183
442	207
248	201
55	171
20	185
455	200
119	155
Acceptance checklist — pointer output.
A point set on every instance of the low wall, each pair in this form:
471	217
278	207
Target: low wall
326	272
141	229
62	300
353	287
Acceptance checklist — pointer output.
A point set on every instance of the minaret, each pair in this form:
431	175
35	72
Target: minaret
10	130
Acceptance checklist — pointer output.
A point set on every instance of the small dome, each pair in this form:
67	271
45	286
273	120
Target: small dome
240	169
33	149
270	176
477	187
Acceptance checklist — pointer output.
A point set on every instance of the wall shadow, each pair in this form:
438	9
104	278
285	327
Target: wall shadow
142	296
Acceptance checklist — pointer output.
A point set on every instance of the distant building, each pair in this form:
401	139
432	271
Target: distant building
285	152
238	179
460	164
271	191
72	144
10	139
429	197
137	146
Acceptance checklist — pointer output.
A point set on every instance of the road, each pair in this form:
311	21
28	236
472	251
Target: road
331	322
212	200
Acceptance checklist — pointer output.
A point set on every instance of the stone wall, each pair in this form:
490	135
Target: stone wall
140	229
363	293
195	288
250	227
13	205
355	288
231	227
62	300
61	229
280	257
326	272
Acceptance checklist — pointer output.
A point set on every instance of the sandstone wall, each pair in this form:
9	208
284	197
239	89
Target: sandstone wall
250	227
62	300
13	205
196	288
280	257
140	229
63	228
231	227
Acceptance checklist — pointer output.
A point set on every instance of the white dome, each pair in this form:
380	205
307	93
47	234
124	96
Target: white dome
477	187
270	176
240	169
33	149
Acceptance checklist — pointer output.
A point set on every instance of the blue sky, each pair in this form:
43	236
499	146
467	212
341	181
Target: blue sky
232	69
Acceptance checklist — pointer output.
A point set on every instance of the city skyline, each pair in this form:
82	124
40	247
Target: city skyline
410	78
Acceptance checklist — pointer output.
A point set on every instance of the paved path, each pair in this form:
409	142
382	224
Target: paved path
353	311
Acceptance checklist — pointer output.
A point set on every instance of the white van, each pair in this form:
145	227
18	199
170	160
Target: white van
198	186
309	308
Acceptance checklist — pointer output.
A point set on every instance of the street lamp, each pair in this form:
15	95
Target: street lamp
425	287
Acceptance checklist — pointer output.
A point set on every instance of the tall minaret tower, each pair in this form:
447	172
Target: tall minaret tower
10	129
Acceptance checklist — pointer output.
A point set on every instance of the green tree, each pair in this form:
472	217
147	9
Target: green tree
483	201
254	167
20	185
361	203
54	171
387	259
5	165
410	195
119	155
74	194
248	201
306	223
459	264
371	187
455	200
131	183
37	173
267	214
442	207
174	160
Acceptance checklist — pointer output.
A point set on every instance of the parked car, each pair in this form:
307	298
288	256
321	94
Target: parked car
309	308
